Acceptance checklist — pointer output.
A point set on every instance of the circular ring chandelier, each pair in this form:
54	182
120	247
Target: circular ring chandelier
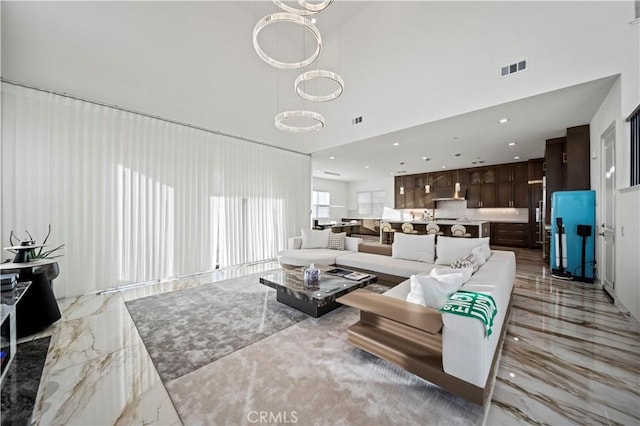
316	74
293	19
315	7
299	114
309	8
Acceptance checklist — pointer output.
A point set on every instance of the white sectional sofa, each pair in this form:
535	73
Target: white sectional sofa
448	350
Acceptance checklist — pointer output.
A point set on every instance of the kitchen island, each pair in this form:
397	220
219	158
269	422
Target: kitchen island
477	228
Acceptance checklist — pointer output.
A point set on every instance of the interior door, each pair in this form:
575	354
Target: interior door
607	227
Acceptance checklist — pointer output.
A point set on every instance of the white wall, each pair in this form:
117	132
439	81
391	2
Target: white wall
622	99
339	196
382	184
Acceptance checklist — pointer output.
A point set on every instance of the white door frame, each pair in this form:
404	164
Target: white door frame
607	225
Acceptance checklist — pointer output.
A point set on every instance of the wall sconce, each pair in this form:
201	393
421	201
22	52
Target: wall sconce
457	188
427	189
402	190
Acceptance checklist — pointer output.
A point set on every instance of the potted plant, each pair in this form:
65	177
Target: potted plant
35	253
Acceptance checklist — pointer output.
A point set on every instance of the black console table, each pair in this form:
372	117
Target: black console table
38	307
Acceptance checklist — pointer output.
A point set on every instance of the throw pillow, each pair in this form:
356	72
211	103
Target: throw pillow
336	240
312	238
414	247
469	261
450	249
434	290
479	253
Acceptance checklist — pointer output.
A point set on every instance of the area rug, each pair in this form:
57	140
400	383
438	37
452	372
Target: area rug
229	353
187	329
20	385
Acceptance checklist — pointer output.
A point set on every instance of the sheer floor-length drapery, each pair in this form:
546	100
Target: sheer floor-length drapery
135	198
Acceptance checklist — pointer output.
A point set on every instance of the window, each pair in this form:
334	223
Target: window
320	204
371	203
634	119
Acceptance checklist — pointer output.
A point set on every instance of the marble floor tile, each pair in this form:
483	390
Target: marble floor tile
82	306
119	388
81	340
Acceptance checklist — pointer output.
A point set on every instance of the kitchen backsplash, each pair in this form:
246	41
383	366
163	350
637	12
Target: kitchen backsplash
459	210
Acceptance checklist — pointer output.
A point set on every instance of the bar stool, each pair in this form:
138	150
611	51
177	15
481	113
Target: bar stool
433	228
458	230
407	228
386	233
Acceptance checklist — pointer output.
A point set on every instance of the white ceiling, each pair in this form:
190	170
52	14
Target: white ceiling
420	73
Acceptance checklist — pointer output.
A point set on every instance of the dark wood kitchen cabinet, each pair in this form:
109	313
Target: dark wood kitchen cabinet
512	188
481	188
567	166
510	234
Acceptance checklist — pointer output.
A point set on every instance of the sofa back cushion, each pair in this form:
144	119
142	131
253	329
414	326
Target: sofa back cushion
414	247
450	249
312	238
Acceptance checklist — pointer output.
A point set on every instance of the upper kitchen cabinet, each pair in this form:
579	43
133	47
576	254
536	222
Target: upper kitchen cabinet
422	198
481	188
409	191
512	188
399	194
578	174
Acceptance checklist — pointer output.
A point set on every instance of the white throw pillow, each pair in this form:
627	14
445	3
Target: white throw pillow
434	290
312	238
450	249
414	247
479	253
458	276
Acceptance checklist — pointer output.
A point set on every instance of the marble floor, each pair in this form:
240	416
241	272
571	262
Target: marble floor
570	357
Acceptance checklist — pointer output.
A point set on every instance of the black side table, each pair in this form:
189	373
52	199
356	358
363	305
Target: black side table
37	308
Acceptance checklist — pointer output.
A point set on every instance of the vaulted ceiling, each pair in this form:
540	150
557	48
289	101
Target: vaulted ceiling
423	74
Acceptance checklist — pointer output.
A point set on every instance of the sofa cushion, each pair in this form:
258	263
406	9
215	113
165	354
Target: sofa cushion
450	249
414	247
309	256
336	240
433	290
312	238
383	264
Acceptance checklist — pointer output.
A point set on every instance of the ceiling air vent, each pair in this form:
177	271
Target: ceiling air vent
357	120
332	173
513	68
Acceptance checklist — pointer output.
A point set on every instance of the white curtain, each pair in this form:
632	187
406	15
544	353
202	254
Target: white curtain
135	198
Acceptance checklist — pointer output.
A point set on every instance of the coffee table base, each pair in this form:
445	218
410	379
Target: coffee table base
308	308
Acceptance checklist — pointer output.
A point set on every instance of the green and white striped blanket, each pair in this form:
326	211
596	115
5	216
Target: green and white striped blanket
472	304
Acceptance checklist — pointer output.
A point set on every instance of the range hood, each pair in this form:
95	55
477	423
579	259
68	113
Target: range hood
449	194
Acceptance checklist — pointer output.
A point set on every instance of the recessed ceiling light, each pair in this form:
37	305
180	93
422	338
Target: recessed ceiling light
332	158
503	120
444	167
426	158
314	20
512	143
516	158
366	167
396	143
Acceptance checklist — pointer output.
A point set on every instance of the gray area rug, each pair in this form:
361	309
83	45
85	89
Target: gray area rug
187	329
254	355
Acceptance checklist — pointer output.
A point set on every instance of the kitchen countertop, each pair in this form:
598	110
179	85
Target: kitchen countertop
466	222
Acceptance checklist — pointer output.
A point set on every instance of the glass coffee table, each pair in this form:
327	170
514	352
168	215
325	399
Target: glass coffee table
315	302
